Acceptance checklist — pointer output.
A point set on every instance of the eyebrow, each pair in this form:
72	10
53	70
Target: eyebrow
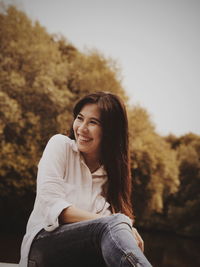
92	118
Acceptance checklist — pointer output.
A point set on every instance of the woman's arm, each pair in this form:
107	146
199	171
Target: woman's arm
73	214
138	238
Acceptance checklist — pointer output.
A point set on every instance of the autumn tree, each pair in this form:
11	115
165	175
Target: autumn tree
184	209
154	166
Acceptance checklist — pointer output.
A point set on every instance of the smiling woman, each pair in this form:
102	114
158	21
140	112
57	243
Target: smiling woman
88	134
82	214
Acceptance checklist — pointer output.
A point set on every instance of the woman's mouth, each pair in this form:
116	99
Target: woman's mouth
83	139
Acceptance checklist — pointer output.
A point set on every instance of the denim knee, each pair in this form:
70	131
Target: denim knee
117	219
121	218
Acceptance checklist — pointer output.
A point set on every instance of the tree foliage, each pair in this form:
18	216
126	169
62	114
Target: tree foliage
184	209
155	172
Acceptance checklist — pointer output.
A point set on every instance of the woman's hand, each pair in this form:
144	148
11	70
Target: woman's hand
138	238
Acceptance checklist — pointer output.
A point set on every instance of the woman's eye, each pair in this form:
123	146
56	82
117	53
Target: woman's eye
93	122
79	118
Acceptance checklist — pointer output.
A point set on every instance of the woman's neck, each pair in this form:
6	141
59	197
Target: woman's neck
92	162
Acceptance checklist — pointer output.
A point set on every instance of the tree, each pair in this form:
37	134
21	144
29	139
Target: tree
184	208
155	172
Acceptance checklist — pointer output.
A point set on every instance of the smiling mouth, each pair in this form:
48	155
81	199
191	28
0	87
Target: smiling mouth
83	139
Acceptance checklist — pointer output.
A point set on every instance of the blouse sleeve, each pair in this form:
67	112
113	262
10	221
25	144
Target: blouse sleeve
51	188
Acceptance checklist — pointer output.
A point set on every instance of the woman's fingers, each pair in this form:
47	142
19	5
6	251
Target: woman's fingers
138	238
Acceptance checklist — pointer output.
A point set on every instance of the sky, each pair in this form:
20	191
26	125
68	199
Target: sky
154	42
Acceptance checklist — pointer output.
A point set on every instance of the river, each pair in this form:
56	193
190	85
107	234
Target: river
162	250
170	250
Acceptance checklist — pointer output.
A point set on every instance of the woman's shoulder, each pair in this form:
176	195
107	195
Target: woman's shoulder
62	140
58	148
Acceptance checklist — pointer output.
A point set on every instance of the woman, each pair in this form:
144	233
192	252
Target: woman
82	214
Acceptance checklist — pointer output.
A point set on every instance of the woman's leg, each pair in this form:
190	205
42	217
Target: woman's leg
118	245
107	241
70	245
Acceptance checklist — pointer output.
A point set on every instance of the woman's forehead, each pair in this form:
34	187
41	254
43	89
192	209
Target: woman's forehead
91	109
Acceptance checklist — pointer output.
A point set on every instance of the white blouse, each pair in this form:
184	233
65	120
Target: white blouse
63	179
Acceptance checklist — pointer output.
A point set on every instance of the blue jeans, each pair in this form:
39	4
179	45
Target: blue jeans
107	241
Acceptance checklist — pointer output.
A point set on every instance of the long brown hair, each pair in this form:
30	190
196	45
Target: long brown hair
115	148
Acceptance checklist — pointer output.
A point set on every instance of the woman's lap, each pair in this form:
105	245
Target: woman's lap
80	244
76	243
73	244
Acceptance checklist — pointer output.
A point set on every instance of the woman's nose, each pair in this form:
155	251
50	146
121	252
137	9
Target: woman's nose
83	127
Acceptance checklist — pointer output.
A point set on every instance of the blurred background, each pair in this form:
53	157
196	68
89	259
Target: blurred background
147	52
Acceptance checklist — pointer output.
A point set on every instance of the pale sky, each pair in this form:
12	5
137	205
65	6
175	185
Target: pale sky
155	42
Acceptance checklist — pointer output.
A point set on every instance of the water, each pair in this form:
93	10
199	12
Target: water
10	247
170	250
162	250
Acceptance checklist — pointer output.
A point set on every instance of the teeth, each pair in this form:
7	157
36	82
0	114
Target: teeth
84	139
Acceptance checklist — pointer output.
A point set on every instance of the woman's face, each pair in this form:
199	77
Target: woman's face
88	130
